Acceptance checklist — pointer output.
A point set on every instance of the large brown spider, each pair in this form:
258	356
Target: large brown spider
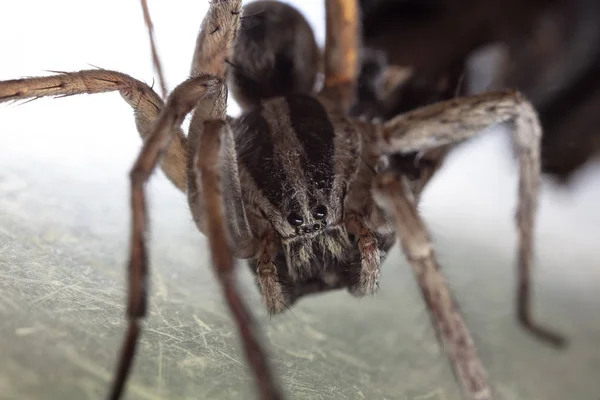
313	198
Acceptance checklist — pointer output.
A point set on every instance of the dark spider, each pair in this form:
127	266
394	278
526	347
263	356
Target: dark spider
309	198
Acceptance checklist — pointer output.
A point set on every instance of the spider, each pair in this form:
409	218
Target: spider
308	195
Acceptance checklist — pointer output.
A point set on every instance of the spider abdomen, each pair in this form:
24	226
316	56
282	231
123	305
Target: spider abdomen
275	54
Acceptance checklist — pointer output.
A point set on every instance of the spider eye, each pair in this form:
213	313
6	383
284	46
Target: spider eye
295	219
319	212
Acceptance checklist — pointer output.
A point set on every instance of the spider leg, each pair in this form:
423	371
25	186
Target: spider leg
214	182
144	101
266	273
155	58
242	242
213	46
181	101
370	256
453	121
215	40
456	120
393	193
342	36
208	170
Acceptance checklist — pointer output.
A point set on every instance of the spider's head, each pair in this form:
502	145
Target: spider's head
318	258
313	250
317	240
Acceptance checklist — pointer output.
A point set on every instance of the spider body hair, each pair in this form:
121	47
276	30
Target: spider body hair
299	173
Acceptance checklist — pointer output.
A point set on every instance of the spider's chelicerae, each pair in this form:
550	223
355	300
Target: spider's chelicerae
309	196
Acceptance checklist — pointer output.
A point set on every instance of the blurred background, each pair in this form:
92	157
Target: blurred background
64	232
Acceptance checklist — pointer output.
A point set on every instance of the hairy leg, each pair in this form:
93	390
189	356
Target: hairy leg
456	120
342	45
370	256
214	182
155	59
267	276
215	40
213	47
208	175
393	192
181	101
144	101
